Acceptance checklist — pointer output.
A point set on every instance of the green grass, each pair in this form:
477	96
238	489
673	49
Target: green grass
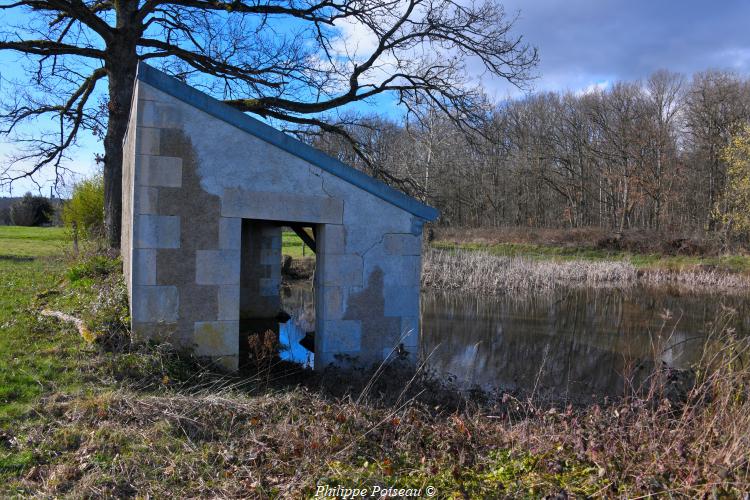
41	355
727	263
36	354
292	245
16	241
32	242
501	473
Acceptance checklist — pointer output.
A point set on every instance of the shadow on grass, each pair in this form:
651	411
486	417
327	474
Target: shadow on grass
16	258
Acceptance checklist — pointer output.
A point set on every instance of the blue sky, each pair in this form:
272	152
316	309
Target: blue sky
582	43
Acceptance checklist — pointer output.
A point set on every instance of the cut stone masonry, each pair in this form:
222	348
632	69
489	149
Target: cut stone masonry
206	191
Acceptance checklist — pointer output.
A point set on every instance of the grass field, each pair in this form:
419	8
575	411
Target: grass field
291	244
39	356
18	241
80	420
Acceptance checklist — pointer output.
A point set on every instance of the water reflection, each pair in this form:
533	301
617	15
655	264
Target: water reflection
569	343
298	302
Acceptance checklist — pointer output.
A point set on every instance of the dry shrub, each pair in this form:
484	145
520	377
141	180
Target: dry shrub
263	347
483	272
648	443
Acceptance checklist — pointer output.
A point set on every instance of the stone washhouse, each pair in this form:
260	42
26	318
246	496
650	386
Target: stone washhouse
206	192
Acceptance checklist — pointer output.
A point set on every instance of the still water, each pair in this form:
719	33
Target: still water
575	342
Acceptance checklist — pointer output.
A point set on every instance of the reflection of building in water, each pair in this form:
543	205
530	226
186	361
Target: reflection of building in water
583	341
298	302
578	341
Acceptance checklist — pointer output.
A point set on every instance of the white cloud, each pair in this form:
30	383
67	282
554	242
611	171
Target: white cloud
594	87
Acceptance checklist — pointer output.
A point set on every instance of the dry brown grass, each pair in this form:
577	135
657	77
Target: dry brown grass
231	438
151	423
486	273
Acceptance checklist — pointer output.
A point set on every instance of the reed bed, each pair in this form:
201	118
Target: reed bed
486	273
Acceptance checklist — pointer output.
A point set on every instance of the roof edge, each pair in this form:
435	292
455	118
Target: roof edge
204	102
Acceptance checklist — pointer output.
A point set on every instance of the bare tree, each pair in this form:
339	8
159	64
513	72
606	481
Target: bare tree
665	97
717	104
291	60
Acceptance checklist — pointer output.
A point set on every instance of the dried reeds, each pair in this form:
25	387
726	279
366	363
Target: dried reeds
485	273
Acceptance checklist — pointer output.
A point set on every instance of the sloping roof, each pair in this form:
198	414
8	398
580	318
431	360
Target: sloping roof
246	123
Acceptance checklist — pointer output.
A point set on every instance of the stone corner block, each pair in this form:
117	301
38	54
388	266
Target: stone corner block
400	270
344	360
409	353
146	200
147	141
153	304
230	233
144	266
269	287
216	338
332	239
417	226
229	302
160	332
157	231
270	256
217	267
159	114
342	270
148	93
159	171
410	331
332	302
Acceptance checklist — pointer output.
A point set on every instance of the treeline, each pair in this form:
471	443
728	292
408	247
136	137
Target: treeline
644	154
30	210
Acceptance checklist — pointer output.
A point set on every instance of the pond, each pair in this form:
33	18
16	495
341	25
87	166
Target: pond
570	343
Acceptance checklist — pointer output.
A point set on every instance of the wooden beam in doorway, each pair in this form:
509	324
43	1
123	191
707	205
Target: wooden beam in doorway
304	236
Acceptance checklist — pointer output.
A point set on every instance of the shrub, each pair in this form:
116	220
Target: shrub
5	216
733	211
85	210
31	211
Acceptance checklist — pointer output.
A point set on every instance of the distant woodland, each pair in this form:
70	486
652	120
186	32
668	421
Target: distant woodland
646	154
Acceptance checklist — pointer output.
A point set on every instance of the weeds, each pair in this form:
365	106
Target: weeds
93	266
222	437
151	421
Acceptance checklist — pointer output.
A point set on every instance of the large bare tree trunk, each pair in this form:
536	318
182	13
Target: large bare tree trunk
121	66
121	80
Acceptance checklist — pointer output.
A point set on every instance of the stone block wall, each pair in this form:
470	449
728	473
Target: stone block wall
367	299
181	257
206	199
